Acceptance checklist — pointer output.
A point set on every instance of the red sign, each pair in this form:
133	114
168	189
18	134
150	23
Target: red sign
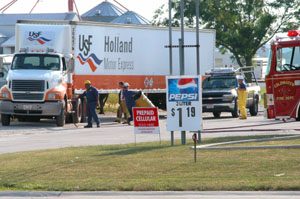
146	120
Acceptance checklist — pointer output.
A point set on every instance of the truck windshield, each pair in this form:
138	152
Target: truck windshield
36	62
288	59
219	82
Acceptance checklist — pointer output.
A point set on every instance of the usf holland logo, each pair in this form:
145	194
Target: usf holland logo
85	56
37	36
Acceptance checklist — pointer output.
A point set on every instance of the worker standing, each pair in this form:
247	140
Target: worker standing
122	106
92	96
242	97
130	101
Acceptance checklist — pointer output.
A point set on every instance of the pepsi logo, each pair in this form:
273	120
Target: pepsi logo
187	83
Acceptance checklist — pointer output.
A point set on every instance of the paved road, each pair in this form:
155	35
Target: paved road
153	195
21	136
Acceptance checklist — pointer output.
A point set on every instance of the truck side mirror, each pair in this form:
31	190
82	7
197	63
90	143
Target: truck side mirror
1	74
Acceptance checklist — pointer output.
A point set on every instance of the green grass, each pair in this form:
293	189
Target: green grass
112	103
151	166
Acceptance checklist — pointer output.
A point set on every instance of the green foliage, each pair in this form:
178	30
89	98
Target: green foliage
242	26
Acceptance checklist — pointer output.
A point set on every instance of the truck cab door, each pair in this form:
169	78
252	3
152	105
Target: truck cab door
286	85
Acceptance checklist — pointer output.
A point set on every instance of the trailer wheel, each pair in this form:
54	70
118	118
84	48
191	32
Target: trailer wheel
217	114
61	118
235	112
5	119
254	108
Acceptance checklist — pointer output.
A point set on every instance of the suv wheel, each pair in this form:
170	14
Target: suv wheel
5	119
235	112
217	114
254	108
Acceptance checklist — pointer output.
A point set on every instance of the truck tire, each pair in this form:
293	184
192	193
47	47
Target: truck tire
61	118
235	112
254	108
217	114
5	119
77	108
298	116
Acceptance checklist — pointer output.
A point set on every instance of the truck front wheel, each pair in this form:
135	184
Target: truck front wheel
61	118
235	112
5	119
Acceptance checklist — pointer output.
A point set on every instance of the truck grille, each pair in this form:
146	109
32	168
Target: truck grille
212	98
28	90
30	96
28	85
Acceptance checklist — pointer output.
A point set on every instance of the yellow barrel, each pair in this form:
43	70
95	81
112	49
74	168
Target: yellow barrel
142	100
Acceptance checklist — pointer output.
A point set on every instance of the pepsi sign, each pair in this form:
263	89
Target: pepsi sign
183	89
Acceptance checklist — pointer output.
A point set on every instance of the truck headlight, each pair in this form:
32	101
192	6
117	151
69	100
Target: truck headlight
54	96
4	95
227	97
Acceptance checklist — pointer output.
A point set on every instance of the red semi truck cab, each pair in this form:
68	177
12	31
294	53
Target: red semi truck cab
283	77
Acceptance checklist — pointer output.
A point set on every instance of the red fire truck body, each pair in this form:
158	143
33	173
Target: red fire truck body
283	77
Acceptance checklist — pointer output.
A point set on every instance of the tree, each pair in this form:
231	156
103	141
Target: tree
242	26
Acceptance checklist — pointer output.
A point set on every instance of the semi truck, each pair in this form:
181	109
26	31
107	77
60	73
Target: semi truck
54	58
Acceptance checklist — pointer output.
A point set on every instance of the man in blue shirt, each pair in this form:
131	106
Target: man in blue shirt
91	95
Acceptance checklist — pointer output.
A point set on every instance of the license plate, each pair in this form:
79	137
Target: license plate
209	106
27	107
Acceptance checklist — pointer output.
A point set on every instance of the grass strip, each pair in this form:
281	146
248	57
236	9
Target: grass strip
151	167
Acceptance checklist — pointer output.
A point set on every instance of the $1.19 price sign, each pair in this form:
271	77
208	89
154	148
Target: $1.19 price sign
184	103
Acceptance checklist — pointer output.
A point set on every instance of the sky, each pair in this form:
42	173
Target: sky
145	8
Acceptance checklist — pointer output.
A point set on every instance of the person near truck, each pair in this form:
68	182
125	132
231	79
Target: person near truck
122	106
242	97
92	97
130	101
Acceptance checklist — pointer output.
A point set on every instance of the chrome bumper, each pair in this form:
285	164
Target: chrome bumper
31	109
222	107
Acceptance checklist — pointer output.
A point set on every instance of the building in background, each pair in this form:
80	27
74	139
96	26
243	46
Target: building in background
104	12
131	17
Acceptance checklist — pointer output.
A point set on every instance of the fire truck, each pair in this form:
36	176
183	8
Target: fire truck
283	77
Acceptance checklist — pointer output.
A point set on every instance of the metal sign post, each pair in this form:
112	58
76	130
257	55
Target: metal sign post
198	53
181	56
170	53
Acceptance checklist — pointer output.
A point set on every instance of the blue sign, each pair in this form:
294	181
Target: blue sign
183	89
